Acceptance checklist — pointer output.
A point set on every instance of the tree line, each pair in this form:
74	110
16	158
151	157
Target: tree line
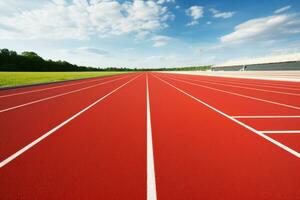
31	61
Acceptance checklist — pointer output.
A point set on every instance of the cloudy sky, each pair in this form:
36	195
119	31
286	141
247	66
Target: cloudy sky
154	33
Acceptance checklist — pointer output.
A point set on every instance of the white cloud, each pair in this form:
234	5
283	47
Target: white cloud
195	12
218	14
60	2
208	22
81	19
9	8
280	10
165	1
142	35
262	29
160	40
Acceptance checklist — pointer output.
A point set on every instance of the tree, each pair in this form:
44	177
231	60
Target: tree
13	53
30	54
4	52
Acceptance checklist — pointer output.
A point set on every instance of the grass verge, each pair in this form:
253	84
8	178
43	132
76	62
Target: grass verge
9	79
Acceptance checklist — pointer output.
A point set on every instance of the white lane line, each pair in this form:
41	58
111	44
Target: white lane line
241	95
58	95
151	184
281	131
50	88
243	87
286	148
265	116
27	147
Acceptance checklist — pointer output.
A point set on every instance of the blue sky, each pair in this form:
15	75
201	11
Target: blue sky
156	33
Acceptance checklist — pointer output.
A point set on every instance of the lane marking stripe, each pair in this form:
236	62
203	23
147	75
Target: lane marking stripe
237	94
27	147
58	95
286	148
265	116
151	183
281	131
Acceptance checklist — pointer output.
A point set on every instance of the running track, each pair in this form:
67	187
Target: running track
151	136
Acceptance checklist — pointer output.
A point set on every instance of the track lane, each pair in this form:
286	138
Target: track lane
237	80
256	85
236	105
278	90
244	125
99	155
199	154
8	102
233	104
21	126
292	100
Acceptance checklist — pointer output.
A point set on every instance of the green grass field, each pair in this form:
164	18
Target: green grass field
8	79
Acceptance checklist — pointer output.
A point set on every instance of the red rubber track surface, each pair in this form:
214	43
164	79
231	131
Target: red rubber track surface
13	97
23	125
198	152
235	105
273	124
99	155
